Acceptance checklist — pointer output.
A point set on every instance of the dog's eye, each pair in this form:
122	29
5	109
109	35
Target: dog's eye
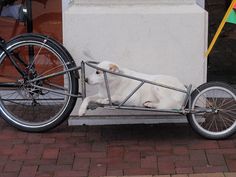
97	72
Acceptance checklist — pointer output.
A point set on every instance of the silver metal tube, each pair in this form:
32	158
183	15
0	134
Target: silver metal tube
91	64
186	99
54	74
179	111
131	94
51	90
107	88
83	84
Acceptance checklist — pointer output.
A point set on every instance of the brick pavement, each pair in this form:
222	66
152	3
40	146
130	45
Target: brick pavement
113	151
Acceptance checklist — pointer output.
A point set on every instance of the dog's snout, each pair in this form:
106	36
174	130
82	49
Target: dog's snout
86	80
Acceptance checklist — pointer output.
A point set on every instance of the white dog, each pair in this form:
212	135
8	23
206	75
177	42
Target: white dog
148	95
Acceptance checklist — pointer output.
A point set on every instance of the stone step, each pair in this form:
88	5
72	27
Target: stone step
126	119
133	2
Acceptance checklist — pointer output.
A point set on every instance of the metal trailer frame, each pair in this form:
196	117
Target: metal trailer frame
93	64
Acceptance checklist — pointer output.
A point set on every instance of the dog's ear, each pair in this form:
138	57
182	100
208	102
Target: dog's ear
114	68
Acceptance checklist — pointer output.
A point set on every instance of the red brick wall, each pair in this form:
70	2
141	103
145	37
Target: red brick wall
47	19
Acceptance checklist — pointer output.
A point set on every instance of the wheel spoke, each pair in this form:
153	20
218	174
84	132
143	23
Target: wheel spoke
49	71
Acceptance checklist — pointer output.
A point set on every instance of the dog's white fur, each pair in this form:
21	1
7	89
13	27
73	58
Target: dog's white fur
148	95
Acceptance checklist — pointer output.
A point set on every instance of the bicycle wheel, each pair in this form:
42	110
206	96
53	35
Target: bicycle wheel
42	97
214	110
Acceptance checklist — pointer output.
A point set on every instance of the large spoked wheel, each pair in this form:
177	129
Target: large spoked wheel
42	97
213	110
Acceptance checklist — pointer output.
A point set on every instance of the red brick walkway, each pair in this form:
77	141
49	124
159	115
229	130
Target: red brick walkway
112	150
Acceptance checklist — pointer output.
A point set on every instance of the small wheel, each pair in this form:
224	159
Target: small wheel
213	109
42	104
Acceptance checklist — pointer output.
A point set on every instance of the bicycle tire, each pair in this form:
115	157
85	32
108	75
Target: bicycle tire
217	120
42	101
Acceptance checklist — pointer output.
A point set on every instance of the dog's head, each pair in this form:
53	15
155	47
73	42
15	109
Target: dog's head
98	77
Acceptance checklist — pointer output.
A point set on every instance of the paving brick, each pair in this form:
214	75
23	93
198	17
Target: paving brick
226	144
222	151
230	156
47	140
99	146
163	146
34	153
114	172
207	175
91	154
81	164
69	173
166	167
230	174
182	150
6	149
40	162
132	156
3	159
139	171
148	160
216	159
179	176
197	155
65	158
191	163
138	176
203	144
51	153
186	170
231	165
22	135
130	142
140	148
97	170
44	174
35	148
8	134
117	165
29	171
13	166
115	152
164	153
173	158
210	169
34	138
83	147
1	168
53	168
9	174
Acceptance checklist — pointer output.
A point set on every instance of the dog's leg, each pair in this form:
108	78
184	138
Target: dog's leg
114	99
85	103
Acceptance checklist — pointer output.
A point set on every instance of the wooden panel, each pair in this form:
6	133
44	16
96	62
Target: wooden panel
47	19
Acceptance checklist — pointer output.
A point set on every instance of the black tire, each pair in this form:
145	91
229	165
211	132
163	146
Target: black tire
40	105
215	103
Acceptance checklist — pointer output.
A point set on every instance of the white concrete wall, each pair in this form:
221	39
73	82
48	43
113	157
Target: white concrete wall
155	39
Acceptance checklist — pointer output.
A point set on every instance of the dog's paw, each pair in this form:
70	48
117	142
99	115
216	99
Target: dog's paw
81	112
103	101
148	104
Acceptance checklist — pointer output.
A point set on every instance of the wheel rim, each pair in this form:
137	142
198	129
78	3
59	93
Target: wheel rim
220	104
26	105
